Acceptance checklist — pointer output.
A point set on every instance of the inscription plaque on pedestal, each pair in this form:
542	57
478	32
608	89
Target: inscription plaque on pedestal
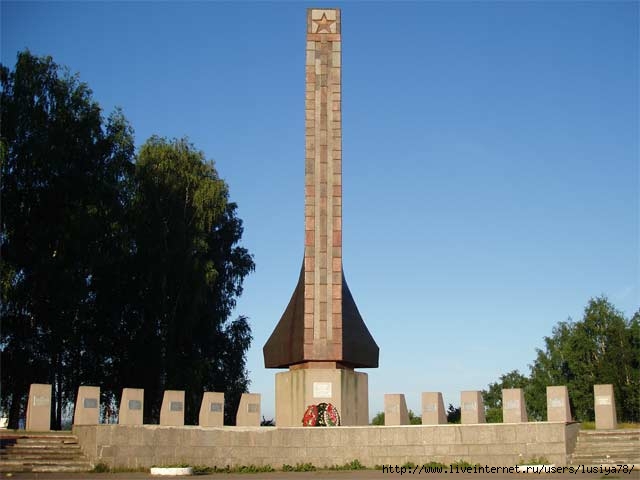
41	401
322	389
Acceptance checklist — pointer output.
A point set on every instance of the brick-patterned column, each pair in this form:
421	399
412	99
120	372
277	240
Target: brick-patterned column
323	187
321	326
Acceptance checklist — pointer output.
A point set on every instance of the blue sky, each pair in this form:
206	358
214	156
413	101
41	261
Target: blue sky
490	158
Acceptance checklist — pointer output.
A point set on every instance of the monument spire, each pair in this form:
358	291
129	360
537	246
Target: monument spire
322	322
321	327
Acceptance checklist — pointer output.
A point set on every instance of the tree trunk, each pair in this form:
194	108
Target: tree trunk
14	410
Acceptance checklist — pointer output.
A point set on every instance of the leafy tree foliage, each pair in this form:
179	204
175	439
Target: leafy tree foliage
454	414
414	419
186	234
62	173
267	422
378	419
602	348
114	272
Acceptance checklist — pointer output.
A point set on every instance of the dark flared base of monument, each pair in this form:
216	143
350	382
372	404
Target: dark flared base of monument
287	346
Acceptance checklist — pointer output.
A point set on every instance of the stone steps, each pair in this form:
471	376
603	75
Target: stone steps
42	453
607	447
19	447
605	459
42	456
610	436
607	451
44	465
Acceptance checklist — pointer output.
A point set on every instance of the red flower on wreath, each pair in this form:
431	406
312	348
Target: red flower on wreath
321	415
331	416
310	418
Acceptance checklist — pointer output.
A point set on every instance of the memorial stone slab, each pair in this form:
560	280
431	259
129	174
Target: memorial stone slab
472	407
513	406
172	410
212	410
39	408
433	412
605	407
558	408
395	409
248	414
87	411
131	407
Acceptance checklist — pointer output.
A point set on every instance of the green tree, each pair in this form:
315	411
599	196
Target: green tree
454	414
188	271
62	172
601	348
378	419
492	398
630	389
113	273
414	419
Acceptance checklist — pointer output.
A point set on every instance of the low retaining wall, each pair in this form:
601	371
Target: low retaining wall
496	444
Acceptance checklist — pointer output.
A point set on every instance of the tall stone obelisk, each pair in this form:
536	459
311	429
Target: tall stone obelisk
321	336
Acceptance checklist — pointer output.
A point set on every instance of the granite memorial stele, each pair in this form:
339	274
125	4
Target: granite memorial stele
321	337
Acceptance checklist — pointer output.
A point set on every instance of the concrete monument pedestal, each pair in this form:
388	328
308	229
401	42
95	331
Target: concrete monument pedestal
212	410
172	410
131	407
395	409
248	414
345	389
433	412
605	407
472	407
558	409
514	409
39	408
87	410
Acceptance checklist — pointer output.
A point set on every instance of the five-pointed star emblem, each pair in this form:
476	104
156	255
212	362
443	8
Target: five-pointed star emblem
324	24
